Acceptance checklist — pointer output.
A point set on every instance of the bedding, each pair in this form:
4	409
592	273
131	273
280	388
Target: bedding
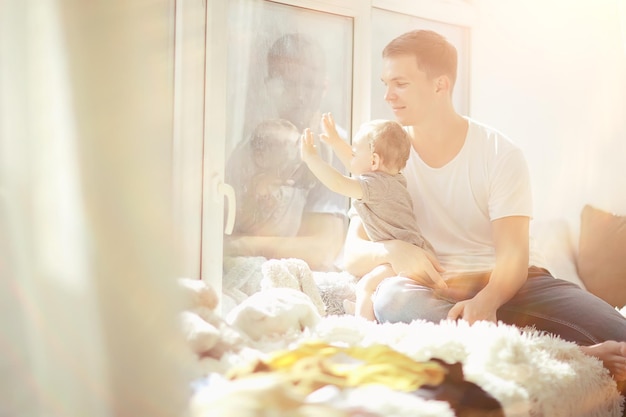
526	372
530	374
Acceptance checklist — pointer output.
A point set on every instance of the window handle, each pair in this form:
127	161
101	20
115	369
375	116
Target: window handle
224	190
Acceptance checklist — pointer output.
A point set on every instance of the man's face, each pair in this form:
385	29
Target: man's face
409	91
296	91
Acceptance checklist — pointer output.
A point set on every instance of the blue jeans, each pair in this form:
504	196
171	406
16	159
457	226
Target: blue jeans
549	304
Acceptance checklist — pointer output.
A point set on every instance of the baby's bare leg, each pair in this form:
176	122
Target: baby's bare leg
366	287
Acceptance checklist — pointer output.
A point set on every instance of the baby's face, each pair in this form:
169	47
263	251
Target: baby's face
276	148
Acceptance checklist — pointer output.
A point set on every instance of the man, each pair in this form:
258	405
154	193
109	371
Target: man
471	192
296	84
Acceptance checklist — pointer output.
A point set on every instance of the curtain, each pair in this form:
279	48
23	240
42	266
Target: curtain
88	298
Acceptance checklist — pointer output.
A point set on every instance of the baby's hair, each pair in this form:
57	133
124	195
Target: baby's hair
390	141
263	133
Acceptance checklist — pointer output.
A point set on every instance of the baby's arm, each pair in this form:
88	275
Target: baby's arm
329	176
330	136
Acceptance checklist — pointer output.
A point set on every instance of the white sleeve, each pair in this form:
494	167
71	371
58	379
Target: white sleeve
510	188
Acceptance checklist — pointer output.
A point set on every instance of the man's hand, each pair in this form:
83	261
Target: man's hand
507	277
481	307
414	262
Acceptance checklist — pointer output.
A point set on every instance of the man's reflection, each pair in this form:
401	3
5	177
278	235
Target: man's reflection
297	79
284	211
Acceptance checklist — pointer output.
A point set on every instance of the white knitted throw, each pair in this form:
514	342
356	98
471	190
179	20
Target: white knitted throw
530	373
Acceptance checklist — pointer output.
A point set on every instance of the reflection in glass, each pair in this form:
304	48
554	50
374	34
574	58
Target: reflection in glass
296	79
284	74
272	184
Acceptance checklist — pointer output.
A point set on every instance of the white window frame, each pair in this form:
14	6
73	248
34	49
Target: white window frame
454	12
208	167
187	145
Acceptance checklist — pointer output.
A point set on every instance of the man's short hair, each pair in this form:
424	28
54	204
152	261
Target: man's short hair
435	55
295	48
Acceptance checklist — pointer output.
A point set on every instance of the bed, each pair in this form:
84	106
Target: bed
275	307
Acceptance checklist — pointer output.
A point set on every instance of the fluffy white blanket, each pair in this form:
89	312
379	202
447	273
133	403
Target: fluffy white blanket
531	374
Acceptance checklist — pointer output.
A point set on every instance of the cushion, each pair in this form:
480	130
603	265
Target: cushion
553	240
602	254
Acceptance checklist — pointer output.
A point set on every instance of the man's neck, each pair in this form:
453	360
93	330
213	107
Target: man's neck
439	140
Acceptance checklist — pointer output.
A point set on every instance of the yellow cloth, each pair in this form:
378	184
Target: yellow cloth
313	365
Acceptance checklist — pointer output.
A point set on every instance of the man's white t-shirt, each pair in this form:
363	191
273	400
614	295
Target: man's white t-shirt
455	204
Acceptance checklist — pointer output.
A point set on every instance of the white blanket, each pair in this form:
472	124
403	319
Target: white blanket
531	374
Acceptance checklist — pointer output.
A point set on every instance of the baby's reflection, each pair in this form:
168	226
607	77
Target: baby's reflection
282	209
271	181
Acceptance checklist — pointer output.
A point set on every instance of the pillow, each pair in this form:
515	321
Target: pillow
602	254
553	240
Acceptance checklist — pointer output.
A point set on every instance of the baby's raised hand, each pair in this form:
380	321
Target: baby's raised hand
308	150
330	134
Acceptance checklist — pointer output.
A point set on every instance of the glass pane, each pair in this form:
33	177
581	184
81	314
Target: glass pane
287	65
387	25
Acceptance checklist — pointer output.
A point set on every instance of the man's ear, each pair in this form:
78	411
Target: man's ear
442	83
377	161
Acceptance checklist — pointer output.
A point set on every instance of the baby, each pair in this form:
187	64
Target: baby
380	151
270	180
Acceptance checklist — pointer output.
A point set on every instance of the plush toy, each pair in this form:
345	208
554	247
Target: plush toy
292	273
196	293
270	297
206	332
274	311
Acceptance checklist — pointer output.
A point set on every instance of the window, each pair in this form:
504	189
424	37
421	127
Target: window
292	60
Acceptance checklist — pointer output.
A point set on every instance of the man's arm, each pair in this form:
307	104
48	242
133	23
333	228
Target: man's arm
511	240
318	242
361	255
